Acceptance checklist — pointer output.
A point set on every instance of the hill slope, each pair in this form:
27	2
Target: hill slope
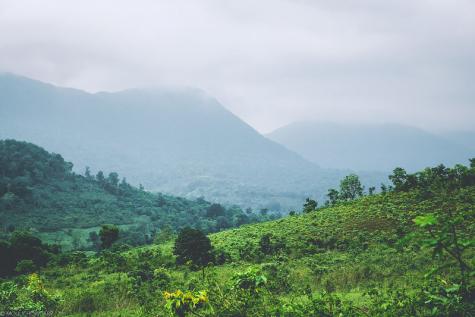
359	258
39	191
369	147
181	142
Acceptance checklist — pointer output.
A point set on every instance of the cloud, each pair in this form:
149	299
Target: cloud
270	62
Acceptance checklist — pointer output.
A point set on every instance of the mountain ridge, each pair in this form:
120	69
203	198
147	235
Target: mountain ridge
185	144
377	147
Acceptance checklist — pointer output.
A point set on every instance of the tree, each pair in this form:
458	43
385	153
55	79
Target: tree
100	178
399	179
124	186
309	205
265	244
113	179
371	190
350	187
25	267
214	211
333	196
108	234
222	223
241	219
94	239
87	173
193	246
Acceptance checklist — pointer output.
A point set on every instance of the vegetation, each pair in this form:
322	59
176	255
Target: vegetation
407	251
40	193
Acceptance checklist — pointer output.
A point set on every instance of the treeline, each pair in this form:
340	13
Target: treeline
426	182
459	176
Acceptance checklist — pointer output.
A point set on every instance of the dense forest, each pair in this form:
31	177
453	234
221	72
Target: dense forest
407	250
40	193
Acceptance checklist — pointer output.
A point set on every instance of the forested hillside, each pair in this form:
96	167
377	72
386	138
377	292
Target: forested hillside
39	191
408	251
182	142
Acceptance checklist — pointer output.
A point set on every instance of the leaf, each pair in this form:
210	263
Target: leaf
425	220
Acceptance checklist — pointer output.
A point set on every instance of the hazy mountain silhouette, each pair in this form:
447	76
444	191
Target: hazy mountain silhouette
176	141
371	147
463	138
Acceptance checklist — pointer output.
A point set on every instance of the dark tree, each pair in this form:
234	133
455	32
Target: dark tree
87	173
222	223
265	244
371	190
113	179
214	211
399	179
100	178
193	245
94	239
333	196
108	234
310	205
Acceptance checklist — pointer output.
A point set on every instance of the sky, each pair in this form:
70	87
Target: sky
271	62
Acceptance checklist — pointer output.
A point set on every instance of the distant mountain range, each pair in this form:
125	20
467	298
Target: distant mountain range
374	147
181	142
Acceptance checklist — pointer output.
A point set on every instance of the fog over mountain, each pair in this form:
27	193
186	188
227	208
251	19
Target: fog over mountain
271	62
373	147
182	142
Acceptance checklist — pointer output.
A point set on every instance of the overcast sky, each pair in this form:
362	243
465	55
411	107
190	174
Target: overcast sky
270	62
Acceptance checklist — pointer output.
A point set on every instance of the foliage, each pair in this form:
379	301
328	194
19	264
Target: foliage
381	255
179	303
310	205
194	247
30	300
252	281
108	235
350	189
23	253
39	191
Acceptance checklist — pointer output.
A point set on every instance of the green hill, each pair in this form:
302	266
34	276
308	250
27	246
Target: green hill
39	192
406	252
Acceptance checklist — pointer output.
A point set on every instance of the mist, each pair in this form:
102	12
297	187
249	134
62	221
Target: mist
270	62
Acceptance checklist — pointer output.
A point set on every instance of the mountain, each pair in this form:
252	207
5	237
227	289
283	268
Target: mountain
39	191
181	142
370	147
463	138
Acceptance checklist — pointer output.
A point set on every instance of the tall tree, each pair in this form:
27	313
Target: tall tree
193	245
108	234
309	205
333	196
350	187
